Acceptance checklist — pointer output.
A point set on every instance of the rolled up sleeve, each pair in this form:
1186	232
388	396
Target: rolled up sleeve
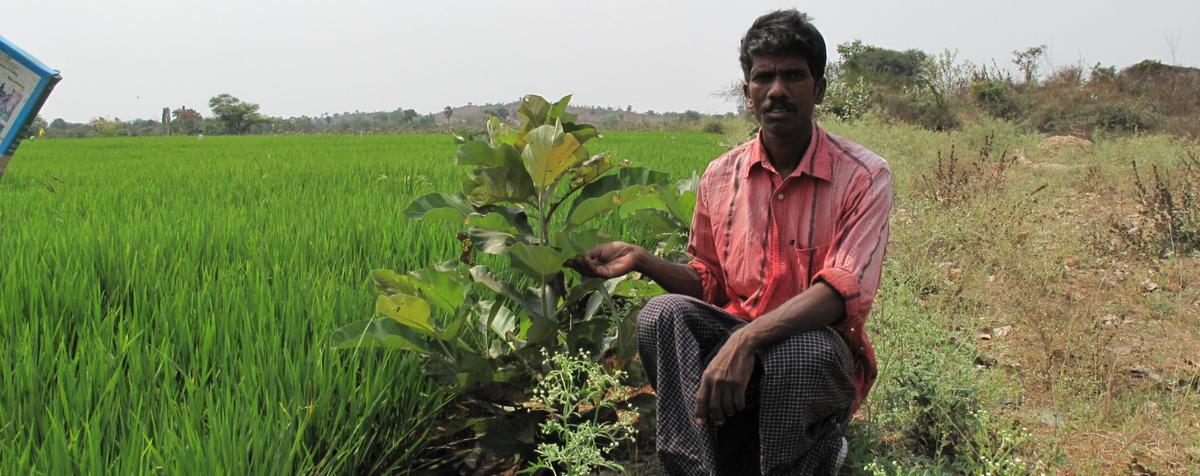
855	265
703	250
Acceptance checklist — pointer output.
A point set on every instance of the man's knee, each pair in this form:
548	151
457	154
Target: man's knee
664	307
819	351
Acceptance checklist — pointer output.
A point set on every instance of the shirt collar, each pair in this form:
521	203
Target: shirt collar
816	161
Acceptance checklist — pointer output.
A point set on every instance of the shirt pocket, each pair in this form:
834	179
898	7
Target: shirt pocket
809	261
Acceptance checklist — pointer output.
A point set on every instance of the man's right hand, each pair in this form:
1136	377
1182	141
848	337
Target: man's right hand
608	260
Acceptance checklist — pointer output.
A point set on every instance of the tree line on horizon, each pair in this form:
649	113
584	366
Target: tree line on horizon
231	116
935	91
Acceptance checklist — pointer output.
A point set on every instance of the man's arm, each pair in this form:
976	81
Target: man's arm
840	297
723	385
615	259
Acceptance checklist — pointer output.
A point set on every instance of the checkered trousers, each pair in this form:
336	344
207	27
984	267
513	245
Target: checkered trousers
798	400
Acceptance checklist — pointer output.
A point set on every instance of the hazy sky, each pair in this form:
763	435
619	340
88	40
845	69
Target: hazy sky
131	58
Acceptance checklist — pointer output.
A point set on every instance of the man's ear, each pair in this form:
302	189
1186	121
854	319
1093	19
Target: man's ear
819	90
746	93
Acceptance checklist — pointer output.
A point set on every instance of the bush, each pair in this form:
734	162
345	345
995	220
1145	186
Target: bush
712	126
1169	210
847	100
996	98
610	120
1117	118
926	111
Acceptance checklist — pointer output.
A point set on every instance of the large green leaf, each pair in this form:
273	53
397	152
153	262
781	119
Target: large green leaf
660	221
624	178
499	175
498	318
512	220
491	241
439	206
582	132
626	340
582	289
387	282
636	288
540	263
466	135
543	322
383	332
588	336
542	331
689	184
509	435
411	311
533	111
479	152
559	108
548	154
444	289
500	133
585	209
687	207
588	170
578	242
484	277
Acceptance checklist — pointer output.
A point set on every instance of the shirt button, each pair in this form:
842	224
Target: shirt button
781	196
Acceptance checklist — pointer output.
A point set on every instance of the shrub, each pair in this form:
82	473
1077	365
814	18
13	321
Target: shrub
996	98
1117	118
926	110
712	125
487	337
610	120
1169	210
847	100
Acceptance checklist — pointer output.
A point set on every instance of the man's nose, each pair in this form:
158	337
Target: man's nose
778	89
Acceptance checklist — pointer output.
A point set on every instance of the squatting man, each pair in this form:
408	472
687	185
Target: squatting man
759	355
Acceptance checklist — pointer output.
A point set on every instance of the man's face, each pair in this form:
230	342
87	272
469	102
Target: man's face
782	94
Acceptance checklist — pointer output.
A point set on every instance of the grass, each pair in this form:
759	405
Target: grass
164	305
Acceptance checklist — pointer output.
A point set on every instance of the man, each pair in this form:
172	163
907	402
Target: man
759	356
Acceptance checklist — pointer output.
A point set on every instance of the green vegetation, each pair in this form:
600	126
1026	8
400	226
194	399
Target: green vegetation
940	93
167	302
488	336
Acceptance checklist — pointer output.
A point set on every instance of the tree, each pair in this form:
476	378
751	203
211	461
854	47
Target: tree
187	121
499	113
410	115
235	115
1028	62
34	126
448	111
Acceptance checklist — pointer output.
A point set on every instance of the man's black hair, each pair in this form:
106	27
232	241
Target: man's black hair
784	32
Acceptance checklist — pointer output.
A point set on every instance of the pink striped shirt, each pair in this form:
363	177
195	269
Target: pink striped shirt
759	239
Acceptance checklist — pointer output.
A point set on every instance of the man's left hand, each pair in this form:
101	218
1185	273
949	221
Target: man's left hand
723	385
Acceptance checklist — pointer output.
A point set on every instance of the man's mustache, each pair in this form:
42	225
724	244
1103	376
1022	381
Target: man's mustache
780	106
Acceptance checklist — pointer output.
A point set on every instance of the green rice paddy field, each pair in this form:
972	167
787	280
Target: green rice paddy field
165	303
